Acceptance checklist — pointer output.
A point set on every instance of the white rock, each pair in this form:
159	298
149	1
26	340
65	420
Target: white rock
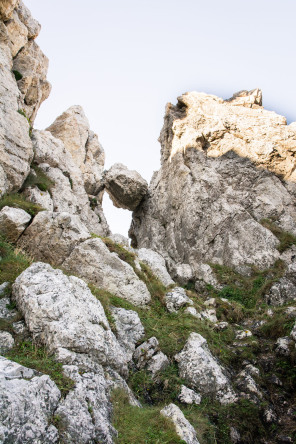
157	363
291	311
192	311
183	427
6	313
221	325
20	328
284	290
157	264
283	345
3	287
177	298
13	222
119	239
6	341
188	396
126	188
243	334
42	198
62	313
205	275
210	302
27	404
183	273
92	261
31	24
209	315
18	33
148	356
52	236
86	411
293	333
129	329
202	371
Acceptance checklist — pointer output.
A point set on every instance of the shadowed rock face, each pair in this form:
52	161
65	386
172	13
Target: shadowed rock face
216	183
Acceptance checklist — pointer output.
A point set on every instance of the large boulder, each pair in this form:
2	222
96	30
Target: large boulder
52	236
225	166
28	401
61	312
13	222
92	261
202	371
126	188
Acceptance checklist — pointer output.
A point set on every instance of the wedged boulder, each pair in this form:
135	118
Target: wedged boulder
69	192
129	329
225	166
284	290
27	404
92	261
85	413
52	236
125	187
202	371
62	313
13	222
183	427
157	264
177	298
72	128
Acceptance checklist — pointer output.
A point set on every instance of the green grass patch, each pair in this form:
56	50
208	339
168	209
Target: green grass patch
17	200
37	357
246	290
12	262
38	178
141	425
278	326
286	239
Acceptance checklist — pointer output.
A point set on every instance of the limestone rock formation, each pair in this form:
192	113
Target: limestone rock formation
32	401
202	371
126	188
72	128
61	312
157	264
225	167
13	222
176	299
149	356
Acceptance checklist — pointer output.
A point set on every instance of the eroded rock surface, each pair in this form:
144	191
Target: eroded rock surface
13	222
222	169
157	264
183	427
202	371
126	188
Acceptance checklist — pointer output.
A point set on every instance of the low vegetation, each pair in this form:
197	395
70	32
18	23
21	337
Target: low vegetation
35	356
17	200
12	262
141	426
38	178
286	239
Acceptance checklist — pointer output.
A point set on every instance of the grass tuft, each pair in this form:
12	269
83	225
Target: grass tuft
38	179
286	239
12	262
16	200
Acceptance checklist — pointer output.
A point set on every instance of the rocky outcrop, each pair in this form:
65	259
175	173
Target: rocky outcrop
72	128
223	165
183	427
157	264
61	312
13	222
32	399
202	371
126	188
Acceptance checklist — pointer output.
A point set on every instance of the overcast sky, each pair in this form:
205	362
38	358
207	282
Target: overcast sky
123	60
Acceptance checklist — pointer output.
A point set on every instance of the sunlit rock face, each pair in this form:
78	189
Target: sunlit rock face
226	165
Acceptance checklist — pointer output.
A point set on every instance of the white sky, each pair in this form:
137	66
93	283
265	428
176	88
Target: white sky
123	60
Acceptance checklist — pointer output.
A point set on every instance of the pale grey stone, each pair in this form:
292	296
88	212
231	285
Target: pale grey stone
247	386
27	404
17	32
119	239
41	198
188	396
210	302
183	273
202	371
209	315
235	435
176	299
293	333
6	313
145	351
157	264
282	346
126	188
183	427
52	236
192	311
3	287
61	312
6	342
284	290
243	334
26	18
20	328
92	261
13	222
157	363
129	329
221	325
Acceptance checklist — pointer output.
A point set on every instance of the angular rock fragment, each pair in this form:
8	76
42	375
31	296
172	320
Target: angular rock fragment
177	298
284	290
183	427
92	261
13	222
26	18
148	356
188	396
202	371
6	342
157	264
126	188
